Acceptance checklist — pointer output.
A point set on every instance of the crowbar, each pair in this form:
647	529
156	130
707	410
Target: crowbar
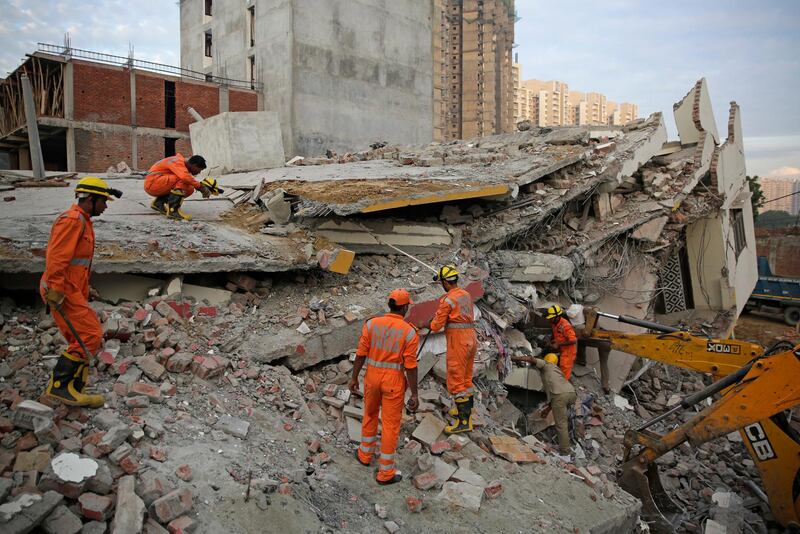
404	253
60	311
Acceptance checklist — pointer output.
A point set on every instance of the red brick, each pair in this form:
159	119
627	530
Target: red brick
207	311
172	505
140	388
204	98
184	472
182	525
242	100
94	506
425	481
493	490
439	447
140	315
158	454
93	86
149	101
96	151
209	366
129	464
414	504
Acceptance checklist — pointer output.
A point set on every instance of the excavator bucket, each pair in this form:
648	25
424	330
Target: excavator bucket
660	512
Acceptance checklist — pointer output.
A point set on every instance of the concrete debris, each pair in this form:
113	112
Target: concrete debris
461	494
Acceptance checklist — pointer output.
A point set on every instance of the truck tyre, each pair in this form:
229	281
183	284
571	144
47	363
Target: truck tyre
791	316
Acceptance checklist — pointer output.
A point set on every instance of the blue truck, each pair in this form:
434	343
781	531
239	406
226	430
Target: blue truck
775	294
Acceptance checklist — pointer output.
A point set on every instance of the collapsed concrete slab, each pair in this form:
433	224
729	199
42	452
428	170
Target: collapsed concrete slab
239	141
131	238
375	236
530	266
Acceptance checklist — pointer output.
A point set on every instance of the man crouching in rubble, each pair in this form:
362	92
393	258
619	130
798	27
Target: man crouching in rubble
171	181
388	346
559	392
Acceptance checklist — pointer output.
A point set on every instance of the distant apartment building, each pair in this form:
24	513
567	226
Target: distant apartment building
339	74
783	192
95	110
473	76
551	103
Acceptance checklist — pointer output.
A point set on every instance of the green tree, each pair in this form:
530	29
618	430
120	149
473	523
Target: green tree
757	199
776	219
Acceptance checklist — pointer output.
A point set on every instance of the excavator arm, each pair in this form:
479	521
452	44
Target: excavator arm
753	396
718	357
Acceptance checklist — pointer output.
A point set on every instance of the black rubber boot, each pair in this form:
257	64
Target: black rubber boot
464	419
174	203
68	380
160	204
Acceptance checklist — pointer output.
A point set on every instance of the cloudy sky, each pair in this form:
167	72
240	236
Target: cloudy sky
646	52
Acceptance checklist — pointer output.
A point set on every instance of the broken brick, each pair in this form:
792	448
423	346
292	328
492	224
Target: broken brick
182	525
184	472
172	505
493	490
97	507
425	481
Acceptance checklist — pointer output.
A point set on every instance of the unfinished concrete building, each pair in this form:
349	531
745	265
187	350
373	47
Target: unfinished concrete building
97	110
339	74
473	78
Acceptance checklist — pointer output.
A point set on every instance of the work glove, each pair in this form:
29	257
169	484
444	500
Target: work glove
205	191
53	297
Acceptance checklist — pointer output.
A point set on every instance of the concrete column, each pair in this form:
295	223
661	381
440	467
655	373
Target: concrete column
134	164
69	114
72	165
69	95
37	161
224	99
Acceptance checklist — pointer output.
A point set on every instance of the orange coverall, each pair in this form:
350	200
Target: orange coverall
455	315
168	174
67	266
390	345
563	333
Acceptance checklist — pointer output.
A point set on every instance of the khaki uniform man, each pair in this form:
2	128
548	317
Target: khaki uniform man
560	393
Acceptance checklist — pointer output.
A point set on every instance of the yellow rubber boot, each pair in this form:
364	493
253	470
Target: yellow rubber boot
453	412
160	204
464	418
174	203
68	380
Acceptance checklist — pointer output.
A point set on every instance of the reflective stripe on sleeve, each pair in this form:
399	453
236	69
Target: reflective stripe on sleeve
84	262
456	326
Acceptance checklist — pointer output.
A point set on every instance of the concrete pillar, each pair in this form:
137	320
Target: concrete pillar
72	165
134	164
69	114
224	99
37	161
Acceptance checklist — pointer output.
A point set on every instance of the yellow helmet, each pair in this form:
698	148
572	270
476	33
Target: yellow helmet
551	358
553	312
212	185
448	273
93	185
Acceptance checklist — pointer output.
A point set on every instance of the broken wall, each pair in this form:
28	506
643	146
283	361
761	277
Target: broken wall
239	141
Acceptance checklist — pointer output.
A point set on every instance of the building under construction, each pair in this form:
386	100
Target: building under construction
473	87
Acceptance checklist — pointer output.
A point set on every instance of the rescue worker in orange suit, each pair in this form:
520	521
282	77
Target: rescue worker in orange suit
171	181
564	339
455	316
388	346
64	287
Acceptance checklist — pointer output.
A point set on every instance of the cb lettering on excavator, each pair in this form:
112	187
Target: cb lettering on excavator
758	439
722	348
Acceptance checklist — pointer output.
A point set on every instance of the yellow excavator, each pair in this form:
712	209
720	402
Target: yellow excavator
757	389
